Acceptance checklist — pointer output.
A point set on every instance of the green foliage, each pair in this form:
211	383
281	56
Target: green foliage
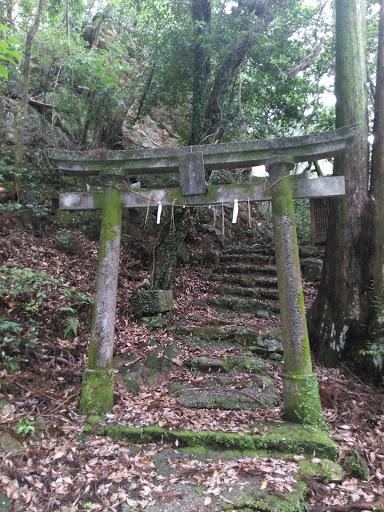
376	352
356	466
71	326
16	340
8	52
302	218
86	85
31	291
26	426
34	185
19	283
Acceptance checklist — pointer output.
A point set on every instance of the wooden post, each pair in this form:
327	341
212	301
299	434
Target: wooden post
300	387
97	388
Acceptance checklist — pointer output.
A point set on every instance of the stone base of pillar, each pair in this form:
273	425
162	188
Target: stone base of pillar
302	401
97	391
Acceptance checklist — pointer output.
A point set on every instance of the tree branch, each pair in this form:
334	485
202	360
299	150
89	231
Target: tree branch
305	63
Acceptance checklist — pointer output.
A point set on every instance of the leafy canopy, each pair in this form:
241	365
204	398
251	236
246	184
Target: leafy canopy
8	52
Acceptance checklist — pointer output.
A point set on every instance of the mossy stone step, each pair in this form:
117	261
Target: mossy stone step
249	281
254	259
257	293
273	438
261	343
244	268
226	364
239	306
229	391
197	454
240	334
136	372
253	249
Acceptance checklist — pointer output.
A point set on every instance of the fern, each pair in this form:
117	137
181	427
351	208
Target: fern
72	324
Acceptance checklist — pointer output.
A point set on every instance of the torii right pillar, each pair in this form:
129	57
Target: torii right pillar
300	387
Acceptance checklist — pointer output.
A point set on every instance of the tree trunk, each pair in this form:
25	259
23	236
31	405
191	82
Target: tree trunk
67	20
23	109
376	323
206	108
165	253
228	69
96	31
340	311
201	17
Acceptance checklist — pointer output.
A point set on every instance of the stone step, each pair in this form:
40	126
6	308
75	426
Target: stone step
244	268
253	249
271	439
229	391
251	258
239	306
226	364
265	343
227	319
240	291
249	281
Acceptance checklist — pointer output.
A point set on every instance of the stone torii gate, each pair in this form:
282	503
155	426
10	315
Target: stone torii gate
300	387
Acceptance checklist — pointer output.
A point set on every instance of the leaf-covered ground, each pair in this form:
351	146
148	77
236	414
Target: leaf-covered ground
56	471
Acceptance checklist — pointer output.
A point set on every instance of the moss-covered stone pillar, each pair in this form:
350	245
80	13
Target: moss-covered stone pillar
300	386
97	388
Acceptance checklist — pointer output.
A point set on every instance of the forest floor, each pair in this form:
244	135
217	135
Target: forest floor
55	470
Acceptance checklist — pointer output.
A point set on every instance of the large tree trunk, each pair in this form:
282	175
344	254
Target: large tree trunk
166	251
376	323
23	109
201	17
170	241
339	315
206	109
226	73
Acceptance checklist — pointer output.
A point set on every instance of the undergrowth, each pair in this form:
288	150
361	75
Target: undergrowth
27	297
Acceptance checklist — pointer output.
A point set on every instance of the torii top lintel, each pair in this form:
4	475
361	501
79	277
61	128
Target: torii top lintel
216	156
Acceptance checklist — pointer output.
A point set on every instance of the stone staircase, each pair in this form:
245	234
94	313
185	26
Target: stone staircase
235	356
244	281
226	354
230	343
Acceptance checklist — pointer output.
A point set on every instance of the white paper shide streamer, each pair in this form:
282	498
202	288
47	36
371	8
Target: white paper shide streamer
235	211
159	210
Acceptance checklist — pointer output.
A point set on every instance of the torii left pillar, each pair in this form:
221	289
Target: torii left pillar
97	387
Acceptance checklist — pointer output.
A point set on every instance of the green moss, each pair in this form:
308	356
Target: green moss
265	501
286	438
94	418
63	216
111	217
356	467
175	388
302	401
97	199
97	391
326	470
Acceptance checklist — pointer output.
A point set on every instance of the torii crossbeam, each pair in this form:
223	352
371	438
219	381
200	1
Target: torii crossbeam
300	387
